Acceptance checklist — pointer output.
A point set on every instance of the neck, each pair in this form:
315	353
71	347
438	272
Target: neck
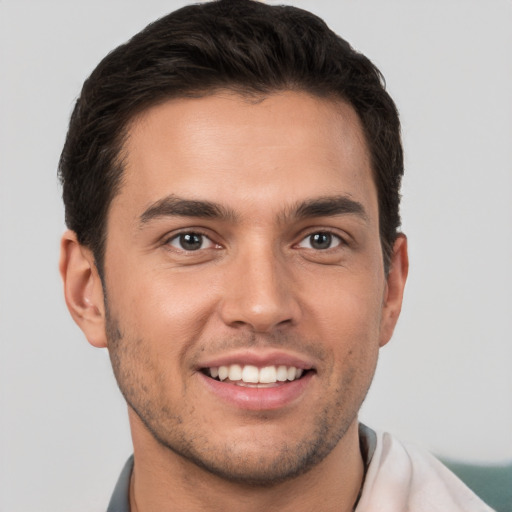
163	480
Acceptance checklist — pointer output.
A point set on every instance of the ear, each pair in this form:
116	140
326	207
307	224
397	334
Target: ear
83	290
394	292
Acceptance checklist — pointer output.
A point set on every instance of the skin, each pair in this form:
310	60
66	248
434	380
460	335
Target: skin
257	285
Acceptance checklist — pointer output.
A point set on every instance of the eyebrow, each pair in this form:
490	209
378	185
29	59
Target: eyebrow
327	206
174	206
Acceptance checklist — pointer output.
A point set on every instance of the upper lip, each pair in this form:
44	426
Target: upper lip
258	358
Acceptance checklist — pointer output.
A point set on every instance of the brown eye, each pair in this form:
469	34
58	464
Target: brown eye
190	241
321	241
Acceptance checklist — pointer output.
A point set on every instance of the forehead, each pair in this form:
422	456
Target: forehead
266	151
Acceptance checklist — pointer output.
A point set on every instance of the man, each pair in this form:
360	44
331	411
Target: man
231	181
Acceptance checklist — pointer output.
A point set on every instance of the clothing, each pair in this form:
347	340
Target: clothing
120	501
398	478
401	478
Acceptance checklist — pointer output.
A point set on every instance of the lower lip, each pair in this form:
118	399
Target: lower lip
259	399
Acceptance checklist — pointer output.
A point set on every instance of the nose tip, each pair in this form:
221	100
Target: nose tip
260	318
260	296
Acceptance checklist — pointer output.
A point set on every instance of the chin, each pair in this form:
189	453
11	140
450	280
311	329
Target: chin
255	456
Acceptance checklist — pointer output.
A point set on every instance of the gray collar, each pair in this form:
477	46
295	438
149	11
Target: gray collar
120	501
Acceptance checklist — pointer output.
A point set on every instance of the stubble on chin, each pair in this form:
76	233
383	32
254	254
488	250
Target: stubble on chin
265	466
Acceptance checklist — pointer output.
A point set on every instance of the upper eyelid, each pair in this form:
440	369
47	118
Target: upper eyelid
184	231
343	237
168	243
177	235
216	239
340	239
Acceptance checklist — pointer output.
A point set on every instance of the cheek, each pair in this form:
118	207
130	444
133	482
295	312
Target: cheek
162	297
347	307
163	311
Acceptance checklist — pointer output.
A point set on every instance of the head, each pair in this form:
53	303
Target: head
231	181
241	46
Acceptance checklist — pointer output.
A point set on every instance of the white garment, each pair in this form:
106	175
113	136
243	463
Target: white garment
401	478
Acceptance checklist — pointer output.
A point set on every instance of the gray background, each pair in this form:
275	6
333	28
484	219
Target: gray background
445	380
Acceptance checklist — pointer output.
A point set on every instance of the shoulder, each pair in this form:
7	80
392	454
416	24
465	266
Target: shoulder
404	478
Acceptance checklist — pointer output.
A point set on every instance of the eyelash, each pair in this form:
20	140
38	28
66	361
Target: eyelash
333	237
178	238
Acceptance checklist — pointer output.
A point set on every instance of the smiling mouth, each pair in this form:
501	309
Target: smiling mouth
252	376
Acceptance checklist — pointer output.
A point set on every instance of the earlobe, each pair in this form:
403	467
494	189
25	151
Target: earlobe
395	284
83	290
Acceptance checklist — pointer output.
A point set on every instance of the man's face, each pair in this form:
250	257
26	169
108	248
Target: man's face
245	240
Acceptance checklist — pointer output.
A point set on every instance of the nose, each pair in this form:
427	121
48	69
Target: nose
259	292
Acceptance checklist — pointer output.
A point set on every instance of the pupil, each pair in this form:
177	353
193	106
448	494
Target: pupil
191	241
321	240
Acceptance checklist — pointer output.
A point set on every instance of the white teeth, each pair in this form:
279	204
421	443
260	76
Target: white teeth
223	372
235	372
250	374
282	373
253	375
268	374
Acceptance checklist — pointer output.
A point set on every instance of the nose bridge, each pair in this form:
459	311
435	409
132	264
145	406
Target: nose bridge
259	291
